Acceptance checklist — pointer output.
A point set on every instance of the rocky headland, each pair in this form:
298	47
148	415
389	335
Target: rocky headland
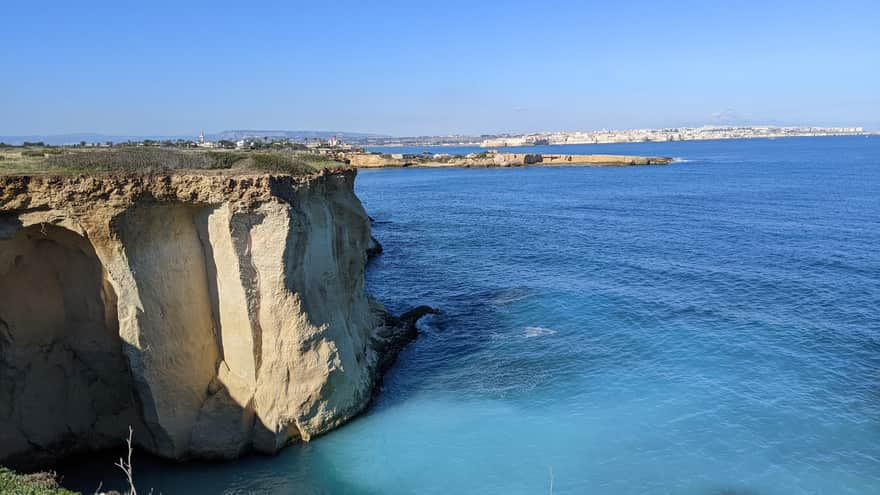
497	159
216	314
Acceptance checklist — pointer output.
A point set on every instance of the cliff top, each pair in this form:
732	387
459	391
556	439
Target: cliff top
47	160
41	191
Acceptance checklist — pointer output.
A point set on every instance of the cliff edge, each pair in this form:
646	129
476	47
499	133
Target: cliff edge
216	314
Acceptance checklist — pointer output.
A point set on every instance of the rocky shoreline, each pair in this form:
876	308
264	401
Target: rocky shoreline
497	159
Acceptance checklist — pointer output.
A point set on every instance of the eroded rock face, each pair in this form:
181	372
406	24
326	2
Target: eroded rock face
214	314
62	369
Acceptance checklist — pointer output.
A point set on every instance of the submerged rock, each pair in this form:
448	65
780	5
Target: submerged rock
214	314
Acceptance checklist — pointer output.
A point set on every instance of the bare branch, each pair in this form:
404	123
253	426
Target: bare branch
126	467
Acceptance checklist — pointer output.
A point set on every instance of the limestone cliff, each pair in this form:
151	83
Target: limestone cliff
215	314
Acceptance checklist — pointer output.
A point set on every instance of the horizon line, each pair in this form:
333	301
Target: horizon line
384	135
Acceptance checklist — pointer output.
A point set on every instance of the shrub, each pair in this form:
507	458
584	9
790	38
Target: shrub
12	483
283	164
130	159
223	160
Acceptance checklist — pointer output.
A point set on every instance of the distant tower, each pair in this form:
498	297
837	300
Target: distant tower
201	137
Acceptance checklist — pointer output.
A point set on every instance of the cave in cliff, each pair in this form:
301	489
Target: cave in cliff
64	382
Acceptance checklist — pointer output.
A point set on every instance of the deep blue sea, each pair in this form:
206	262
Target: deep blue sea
711	327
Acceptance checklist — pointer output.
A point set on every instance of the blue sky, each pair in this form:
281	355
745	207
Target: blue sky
409	68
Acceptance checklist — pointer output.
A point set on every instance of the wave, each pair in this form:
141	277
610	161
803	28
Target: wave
538	332
510	296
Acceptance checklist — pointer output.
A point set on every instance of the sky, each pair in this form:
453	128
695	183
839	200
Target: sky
434	68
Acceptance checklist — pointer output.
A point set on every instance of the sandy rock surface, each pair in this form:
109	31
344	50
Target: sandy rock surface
214	314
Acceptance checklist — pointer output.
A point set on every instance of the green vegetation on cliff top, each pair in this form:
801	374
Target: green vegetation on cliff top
12	483
147	160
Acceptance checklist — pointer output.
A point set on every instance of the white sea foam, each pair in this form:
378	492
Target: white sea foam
680	160
538	331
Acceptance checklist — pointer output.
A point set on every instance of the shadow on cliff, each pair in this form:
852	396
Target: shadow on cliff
65	384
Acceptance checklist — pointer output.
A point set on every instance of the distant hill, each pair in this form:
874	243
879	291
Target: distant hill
74	138
294	135
233	135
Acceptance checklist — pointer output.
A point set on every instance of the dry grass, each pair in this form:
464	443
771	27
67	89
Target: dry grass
151	160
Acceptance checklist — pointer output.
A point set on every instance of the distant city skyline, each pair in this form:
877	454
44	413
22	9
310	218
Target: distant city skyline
400	69
582	136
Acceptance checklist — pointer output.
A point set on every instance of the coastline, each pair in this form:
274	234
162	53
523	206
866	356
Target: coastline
476	145
632	136
496	159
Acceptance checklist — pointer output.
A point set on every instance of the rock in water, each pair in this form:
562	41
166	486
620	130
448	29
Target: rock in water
373	248
215	314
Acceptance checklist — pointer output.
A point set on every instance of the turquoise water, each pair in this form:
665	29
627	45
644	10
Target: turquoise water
708	327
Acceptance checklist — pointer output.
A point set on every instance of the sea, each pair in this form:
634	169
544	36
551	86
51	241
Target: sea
709	327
